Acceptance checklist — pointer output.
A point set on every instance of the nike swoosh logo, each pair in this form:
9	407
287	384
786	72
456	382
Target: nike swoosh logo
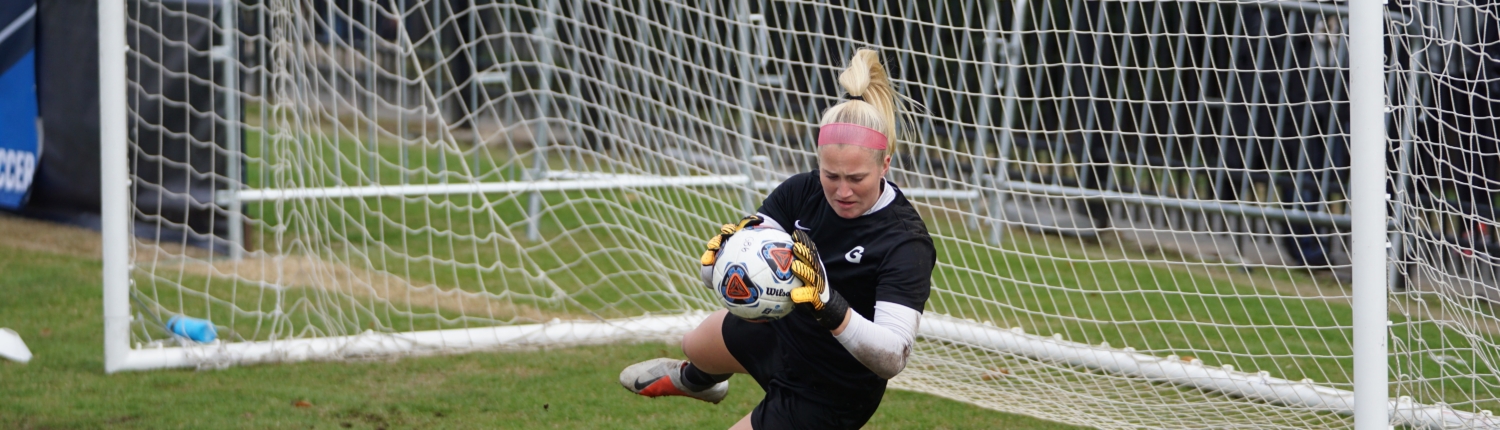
641	385
798	224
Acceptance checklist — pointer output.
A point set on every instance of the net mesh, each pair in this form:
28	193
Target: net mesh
1167	178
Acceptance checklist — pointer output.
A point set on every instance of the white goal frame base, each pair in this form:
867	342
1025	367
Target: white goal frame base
220	354
1173	370
1126	362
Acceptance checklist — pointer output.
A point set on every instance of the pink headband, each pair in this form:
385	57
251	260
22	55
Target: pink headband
851	134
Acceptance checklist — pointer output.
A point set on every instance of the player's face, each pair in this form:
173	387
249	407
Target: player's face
851	178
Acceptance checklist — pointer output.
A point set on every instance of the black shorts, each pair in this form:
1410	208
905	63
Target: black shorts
794	398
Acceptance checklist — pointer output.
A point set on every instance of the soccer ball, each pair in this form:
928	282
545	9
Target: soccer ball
753	274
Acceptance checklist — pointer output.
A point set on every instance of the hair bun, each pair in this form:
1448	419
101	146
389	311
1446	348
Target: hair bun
856	77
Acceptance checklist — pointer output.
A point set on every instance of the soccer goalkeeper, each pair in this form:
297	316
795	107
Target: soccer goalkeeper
825	365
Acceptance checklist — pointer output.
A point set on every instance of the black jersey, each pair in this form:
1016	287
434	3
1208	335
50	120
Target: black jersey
882	256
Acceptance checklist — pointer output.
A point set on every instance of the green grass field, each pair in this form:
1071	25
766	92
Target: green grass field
54	302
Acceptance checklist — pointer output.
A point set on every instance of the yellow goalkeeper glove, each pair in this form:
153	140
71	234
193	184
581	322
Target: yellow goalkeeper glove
712	253
826	305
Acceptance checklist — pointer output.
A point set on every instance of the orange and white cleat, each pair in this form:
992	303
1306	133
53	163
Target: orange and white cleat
663	377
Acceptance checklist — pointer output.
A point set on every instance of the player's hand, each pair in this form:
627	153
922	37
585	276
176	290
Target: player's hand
825	304
712	253
808	267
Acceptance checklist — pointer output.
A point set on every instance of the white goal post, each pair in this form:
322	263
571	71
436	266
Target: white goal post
1148	214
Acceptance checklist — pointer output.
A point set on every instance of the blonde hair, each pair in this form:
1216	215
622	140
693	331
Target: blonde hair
881	106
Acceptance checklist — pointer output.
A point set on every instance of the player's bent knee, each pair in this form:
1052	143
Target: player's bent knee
704	346
699	343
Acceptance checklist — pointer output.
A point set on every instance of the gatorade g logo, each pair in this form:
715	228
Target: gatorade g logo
778	256
856	254
736	286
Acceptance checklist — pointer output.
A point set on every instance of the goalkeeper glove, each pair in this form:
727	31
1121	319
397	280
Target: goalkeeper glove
826	305
711	254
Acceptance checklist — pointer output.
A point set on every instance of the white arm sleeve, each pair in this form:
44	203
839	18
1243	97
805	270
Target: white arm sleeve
707	272
882	345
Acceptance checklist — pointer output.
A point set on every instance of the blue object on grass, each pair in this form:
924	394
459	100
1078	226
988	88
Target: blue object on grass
201	331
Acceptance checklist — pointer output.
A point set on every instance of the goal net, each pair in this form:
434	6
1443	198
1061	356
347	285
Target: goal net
1140	209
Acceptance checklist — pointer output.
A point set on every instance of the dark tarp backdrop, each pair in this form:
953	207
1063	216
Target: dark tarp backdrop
67	180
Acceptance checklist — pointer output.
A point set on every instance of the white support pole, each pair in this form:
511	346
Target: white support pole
1368	208
229	35
114	179
992	42
1013	59
543	125
555	181
747	104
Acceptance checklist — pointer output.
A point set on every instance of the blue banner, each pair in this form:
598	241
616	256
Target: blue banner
19	147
